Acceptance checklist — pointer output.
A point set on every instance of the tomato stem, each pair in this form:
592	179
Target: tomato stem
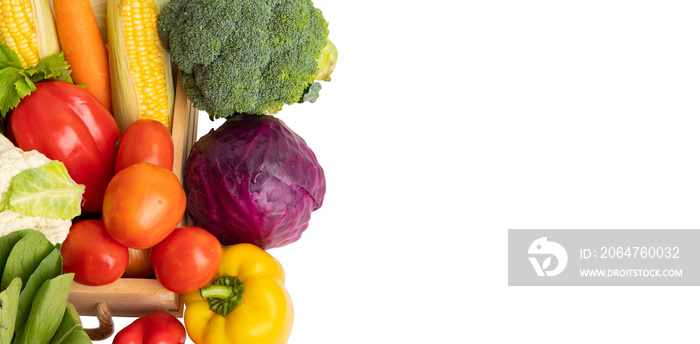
224	294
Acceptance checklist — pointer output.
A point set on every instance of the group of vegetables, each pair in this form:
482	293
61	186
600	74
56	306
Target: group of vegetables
86	97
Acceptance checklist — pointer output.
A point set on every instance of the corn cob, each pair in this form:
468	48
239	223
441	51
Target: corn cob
140	71
28	28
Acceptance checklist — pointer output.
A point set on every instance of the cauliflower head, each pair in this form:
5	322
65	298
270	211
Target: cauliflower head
29	174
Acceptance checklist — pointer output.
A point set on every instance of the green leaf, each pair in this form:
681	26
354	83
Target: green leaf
49	268
8	95
71	329
311	93
47	311
17	82
24	86
53	67
8	241
8	310
326	62
10	66
24	258
46	191
8	58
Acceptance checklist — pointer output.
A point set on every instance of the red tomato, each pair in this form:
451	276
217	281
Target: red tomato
90	253
187	259
66	123
145	140
143	204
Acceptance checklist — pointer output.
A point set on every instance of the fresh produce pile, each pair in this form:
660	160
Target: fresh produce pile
87	189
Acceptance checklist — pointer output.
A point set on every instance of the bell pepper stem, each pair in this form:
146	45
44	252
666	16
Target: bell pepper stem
217	292
224	294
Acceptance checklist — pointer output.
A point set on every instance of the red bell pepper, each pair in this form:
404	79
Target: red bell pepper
157	328
65	122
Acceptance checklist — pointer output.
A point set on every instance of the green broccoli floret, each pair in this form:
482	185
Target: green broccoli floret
246	56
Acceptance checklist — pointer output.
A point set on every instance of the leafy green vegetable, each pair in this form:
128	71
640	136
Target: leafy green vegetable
51	67
9	58
47	311
242	56
71	329
33	305
46	191
49	268
8	241
17	82
8	310
311	93
24	258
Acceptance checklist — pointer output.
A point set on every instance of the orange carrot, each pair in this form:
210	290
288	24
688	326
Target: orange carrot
83	47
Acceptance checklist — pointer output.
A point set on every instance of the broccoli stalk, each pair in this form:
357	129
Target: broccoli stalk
252	57
326	63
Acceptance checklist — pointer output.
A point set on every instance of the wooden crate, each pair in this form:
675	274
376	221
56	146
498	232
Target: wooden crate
136	297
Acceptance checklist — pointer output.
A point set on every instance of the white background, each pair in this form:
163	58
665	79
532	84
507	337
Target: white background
448	122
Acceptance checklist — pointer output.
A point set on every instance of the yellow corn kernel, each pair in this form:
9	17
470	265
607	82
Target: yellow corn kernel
27	27
141	76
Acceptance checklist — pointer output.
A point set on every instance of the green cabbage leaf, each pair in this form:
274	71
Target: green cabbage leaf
46	191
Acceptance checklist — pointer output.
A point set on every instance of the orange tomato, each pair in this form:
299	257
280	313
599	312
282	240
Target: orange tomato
143	204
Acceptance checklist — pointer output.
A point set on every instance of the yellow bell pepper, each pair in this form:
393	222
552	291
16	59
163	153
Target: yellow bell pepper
246	303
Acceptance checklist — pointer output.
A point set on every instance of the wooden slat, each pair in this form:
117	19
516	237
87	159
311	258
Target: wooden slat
180	130
192	129
127	297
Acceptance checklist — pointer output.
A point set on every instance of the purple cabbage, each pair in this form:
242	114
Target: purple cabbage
253	180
